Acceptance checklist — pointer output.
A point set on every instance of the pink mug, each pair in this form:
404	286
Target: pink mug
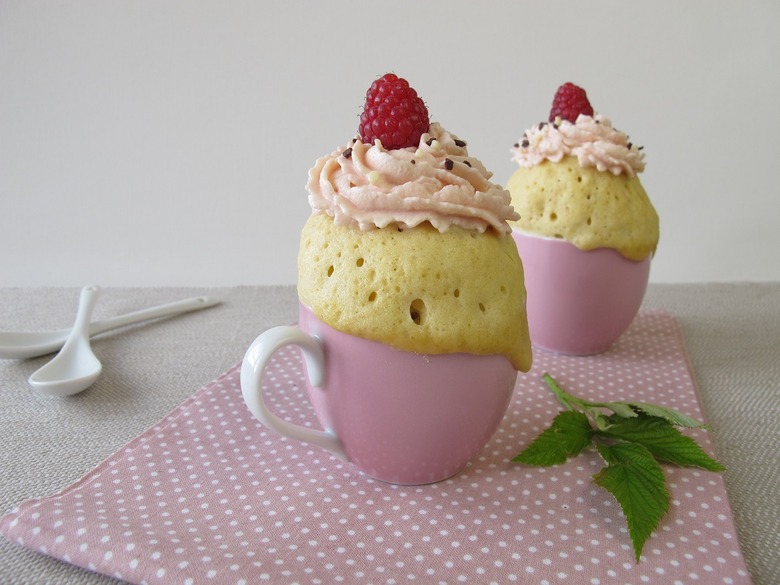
579	302
400	417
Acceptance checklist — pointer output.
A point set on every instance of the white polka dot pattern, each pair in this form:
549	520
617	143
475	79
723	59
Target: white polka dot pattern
211	496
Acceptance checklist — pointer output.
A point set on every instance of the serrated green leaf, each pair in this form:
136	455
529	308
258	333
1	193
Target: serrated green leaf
673	416
569	433
662	439
637	482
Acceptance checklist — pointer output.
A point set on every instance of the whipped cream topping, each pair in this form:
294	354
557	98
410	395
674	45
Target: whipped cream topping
367	186
591	139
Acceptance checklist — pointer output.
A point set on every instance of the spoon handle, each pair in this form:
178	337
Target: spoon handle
87	300
175	308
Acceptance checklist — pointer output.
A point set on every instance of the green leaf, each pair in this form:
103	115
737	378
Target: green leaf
632	441
624	409
637	482
673	416
662	439
569	433
619	408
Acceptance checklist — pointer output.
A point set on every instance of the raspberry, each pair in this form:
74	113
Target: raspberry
569	102
393	113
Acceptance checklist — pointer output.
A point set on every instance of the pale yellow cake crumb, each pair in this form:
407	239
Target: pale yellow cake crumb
417	290
585	206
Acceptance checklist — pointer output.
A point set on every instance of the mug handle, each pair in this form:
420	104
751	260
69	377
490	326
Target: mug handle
255	360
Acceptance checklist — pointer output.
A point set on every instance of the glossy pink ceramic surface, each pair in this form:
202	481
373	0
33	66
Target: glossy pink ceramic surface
402	417
578	302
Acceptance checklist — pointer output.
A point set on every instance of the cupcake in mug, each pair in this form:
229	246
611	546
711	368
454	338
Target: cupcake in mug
587	230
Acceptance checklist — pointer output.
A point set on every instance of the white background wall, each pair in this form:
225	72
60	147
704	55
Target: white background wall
168	143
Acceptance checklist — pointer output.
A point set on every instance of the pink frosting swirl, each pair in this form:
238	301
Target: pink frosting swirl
367	186
591	139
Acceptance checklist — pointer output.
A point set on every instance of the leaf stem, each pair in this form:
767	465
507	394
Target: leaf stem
572	402
569	401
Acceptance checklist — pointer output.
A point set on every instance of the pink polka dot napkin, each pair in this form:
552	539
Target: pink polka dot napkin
209	495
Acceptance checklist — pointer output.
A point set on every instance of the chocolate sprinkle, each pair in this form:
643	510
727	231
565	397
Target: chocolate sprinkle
347	153
467	163
429	142
517	145
460	143
414	162
525	143
448	164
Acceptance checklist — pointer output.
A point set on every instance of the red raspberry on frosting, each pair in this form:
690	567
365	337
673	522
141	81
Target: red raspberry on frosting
393	113
569	102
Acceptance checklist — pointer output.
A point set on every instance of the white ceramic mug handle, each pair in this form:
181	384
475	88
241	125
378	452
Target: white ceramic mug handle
252	367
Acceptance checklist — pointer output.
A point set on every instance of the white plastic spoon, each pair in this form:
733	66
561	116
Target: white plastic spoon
75	368
29	344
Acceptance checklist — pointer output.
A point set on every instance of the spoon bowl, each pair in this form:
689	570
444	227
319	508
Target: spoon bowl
75	367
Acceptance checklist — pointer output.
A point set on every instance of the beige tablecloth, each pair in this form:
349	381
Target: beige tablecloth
732	332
